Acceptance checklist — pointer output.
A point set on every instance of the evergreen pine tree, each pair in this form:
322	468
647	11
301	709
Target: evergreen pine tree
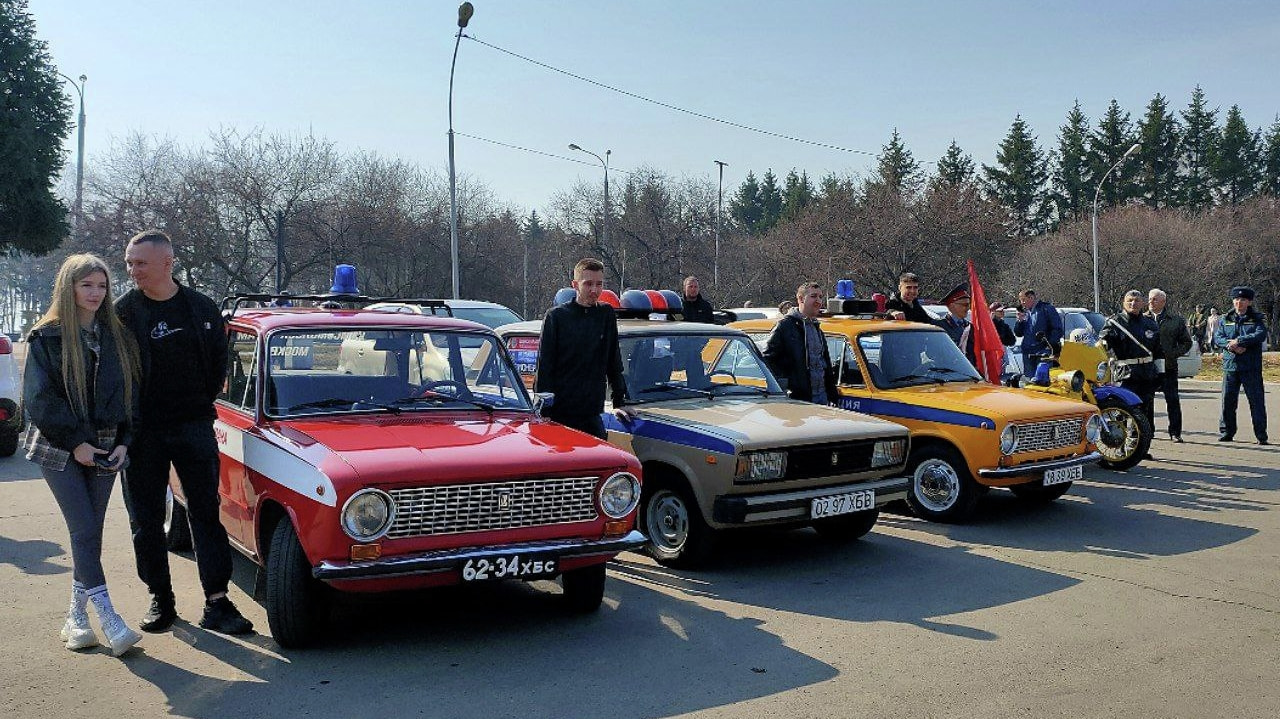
797	194
1107	144
35	116
1237	170
1271	161
770	200
1072	178
745	207
1195	153
955	168
897	169
832	188
1157	160
534	236
1017	182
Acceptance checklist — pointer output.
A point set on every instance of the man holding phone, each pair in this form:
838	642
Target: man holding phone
1036	317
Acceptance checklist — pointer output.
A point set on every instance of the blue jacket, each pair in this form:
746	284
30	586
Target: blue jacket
1043	317
1250	331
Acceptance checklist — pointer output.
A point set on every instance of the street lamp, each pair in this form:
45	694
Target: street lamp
1097	288
465	11
715	266
604	162
79	211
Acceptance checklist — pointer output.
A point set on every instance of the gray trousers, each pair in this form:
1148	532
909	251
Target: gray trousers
82	494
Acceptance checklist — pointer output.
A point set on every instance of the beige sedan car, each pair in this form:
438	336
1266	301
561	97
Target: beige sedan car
723	448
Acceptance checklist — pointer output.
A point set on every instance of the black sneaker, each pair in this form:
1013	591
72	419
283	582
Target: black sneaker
221	616
1226	437
1177	438
160	615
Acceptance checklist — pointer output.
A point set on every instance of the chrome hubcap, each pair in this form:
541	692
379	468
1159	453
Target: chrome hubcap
1127	427
937	485
668	521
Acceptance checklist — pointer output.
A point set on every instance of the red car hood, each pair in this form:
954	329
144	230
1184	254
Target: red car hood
448	449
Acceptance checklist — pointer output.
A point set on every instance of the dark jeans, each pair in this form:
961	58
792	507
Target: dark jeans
193	451
591	424
82	495
1172	402
1252	382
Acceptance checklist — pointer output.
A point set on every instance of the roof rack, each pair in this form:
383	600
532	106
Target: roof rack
231	304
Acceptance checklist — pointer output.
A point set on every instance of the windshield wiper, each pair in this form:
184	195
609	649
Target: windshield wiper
336	402
667	387
760	390
950	370
437	397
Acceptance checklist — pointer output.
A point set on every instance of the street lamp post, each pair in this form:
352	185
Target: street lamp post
715	266
604	162
79	210
465	11
1097	287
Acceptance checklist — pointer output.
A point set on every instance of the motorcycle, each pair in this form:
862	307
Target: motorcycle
1082	371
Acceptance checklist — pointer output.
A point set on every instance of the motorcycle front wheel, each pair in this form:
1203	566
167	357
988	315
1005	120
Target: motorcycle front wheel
1130	440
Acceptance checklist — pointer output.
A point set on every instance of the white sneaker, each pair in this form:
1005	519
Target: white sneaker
76	631
118	634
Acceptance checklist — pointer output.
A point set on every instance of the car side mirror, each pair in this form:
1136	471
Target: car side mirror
542	400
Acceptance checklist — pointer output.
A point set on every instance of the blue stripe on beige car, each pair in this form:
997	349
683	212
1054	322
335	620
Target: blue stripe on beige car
886	408
664	432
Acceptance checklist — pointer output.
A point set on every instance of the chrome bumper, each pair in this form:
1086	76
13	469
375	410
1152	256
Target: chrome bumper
786	506
452	559
1025	469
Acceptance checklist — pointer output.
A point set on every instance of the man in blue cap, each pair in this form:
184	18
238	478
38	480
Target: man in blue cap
1241	336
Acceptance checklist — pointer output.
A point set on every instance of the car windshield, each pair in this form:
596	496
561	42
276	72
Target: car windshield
1089	321
488	316
388	370
677	366
914	357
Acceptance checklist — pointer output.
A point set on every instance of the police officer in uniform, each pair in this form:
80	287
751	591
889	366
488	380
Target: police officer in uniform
1133	340
957	325
1241	336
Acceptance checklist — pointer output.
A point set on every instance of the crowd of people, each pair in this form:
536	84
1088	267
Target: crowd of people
128	388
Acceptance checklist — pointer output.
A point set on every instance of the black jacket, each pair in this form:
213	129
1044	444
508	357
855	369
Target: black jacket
1123	348
698	310
1175	338
577	353
212	336
787	355
47	402
915	311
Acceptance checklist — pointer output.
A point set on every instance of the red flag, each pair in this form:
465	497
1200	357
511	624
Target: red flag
988	351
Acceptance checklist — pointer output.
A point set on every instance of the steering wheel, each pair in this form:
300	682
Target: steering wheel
459	389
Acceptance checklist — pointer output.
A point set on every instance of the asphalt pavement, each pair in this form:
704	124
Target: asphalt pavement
1151	593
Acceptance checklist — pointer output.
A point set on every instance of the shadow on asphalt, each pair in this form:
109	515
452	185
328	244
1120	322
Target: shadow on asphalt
505	650
31	556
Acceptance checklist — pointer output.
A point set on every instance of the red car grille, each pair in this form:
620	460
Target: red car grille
453	509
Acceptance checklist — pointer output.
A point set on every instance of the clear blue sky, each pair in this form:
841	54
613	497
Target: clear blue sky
374	75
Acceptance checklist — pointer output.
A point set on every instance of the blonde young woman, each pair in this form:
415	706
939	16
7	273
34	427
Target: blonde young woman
80	390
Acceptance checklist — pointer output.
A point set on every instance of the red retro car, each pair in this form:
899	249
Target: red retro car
366	451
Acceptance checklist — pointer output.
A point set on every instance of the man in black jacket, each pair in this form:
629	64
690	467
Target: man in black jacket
696	308
182	345
1175	340
1133	340
797	351
905	305
577	353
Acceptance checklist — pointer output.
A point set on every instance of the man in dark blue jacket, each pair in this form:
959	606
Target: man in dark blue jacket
1036	316
1241	336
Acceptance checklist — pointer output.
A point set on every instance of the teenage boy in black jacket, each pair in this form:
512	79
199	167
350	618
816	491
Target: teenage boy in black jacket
182	345
578	351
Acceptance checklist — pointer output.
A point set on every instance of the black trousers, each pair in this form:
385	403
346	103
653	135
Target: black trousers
592	424
1172	402
192	450
1146	391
